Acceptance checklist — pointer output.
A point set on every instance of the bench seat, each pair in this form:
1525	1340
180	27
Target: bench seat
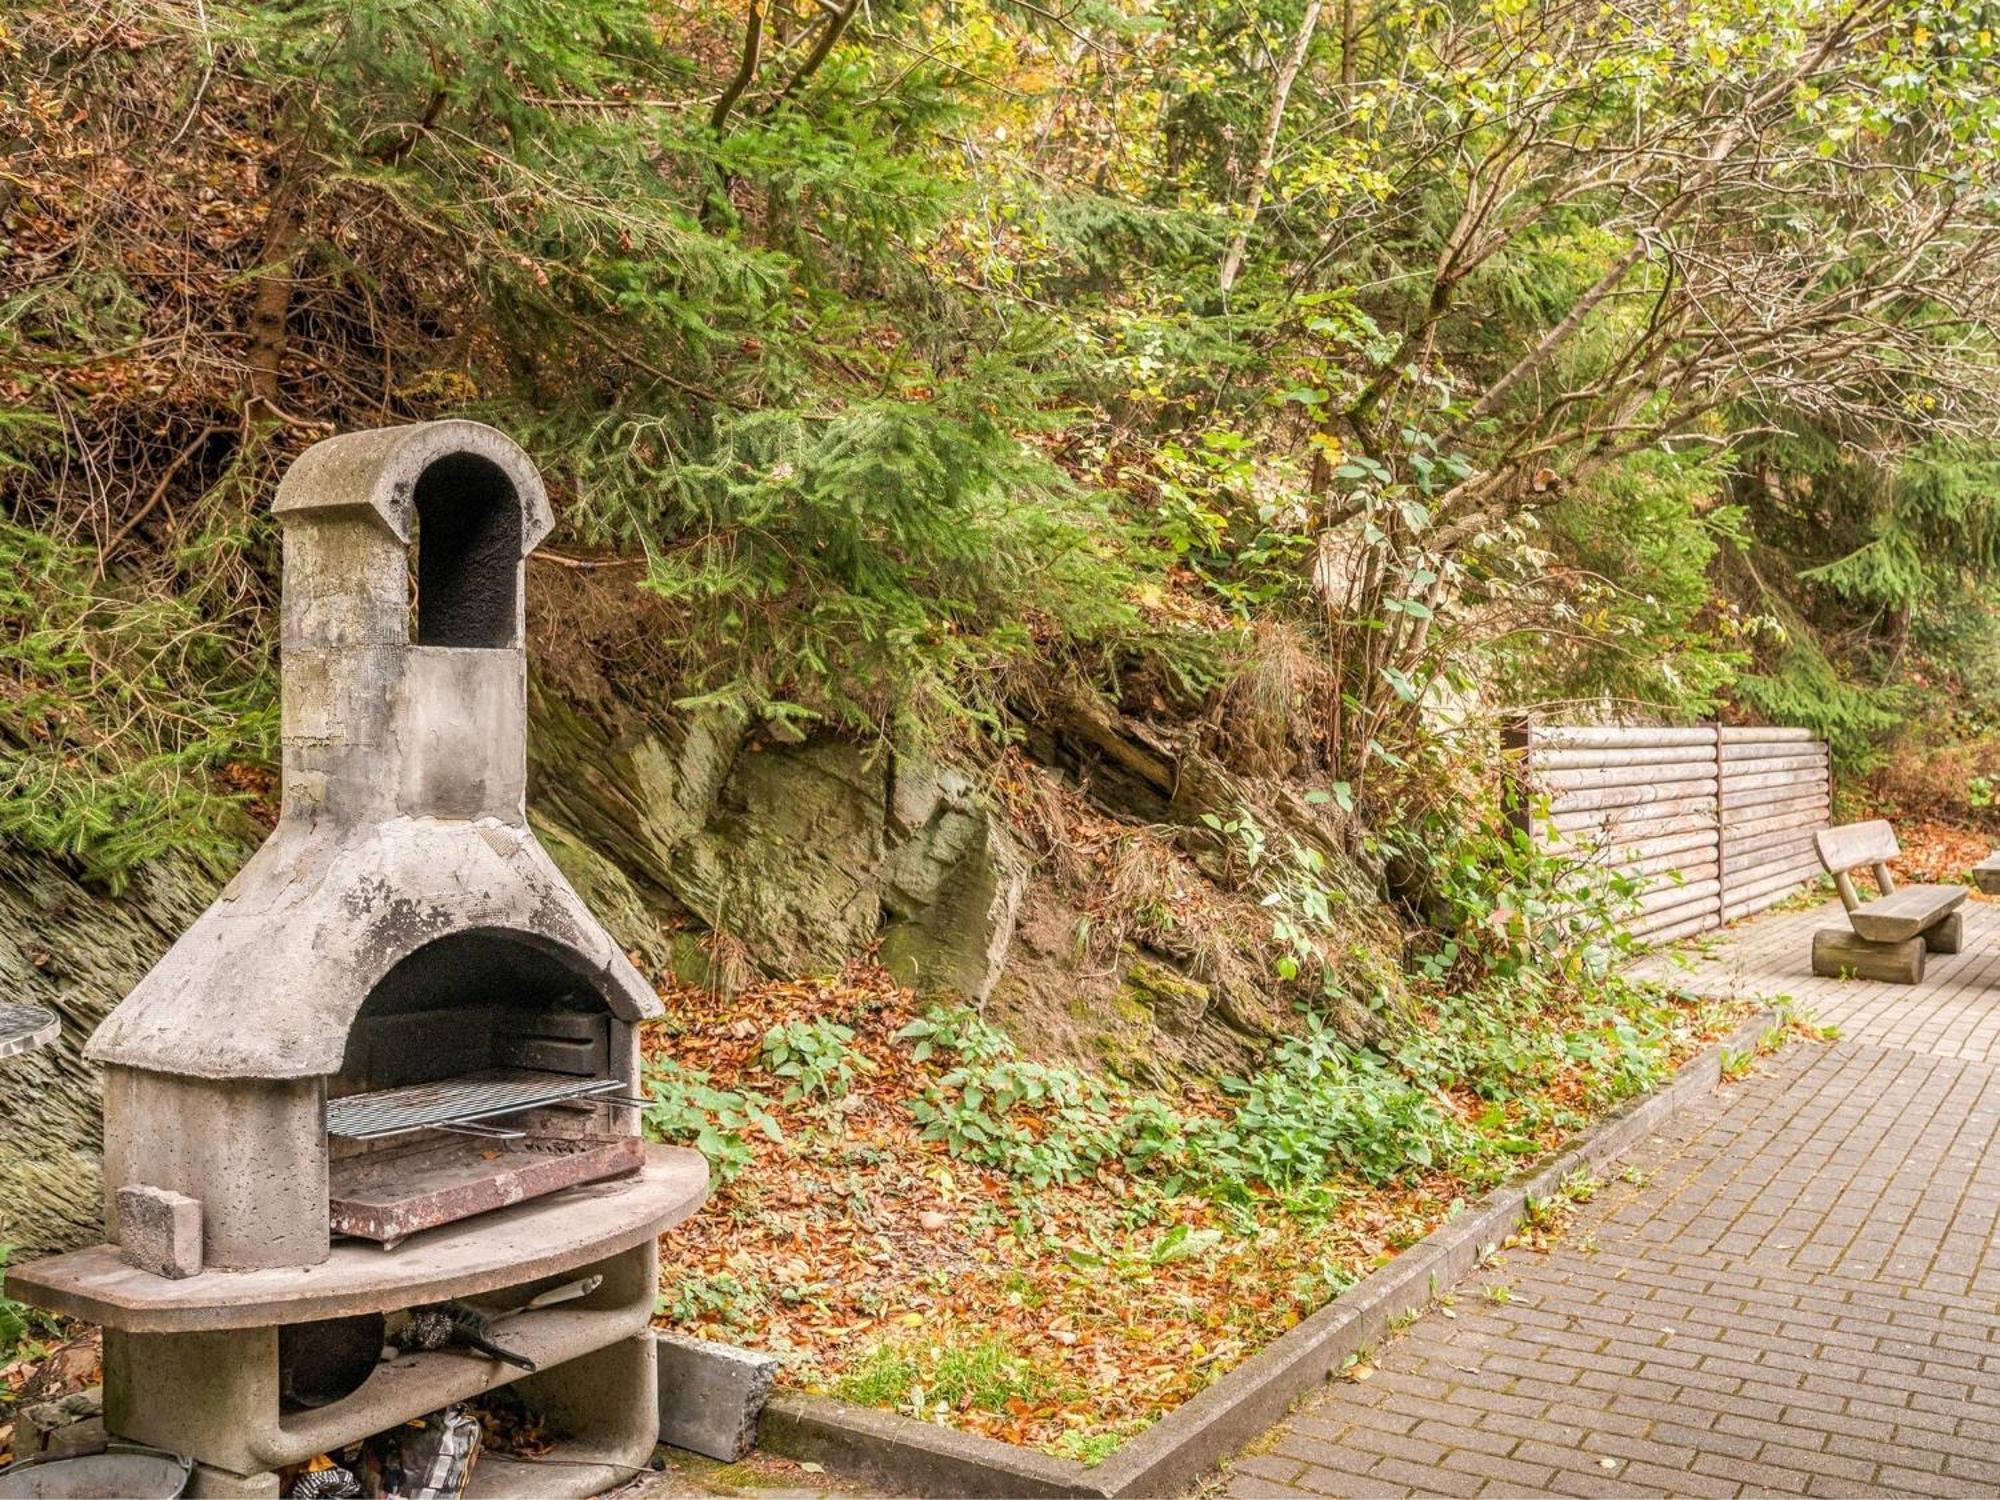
1908	913
1986	874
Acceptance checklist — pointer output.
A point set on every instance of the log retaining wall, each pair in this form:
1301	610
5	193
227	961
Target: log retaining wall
1717	819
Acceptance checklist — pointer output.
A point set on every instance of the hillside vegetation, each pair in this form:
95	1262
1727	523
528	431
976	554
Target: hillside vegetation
1284	367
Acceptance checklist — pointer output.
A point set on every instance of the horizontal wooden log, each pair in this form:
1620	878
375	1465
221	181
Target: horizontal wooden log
1765	802
1673	817
1743	734
1736	908
1739	752
1737	789
1661	829
1947	936
1695	842
1837	954
1740	798
1595	778
1800	829
1670	894
1628	755
1591	736
1742	862
1737	847
1794	865
1669	926
1736	861
1787	879
1632	796
1669	932
1755	775
1698	865
1807	767
1743	823
1616	862
1767	877
1675	901
1702	837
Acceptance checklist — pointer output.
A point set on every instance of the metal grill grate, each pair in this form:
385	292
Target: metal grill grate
453	1101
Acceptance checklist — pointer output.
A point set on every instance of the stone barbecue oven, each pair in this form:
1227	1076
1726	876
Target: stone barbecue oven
395	1064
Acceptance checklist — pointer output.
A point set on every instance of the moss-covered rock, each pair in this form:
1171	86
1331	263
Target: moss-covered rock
1175	1001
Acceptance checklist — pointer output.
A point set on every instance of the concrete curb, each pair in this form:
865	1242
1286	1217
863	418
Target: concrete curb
923	1458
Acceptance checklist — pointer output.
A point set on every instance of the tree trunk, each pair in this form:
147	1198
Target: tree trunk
271	301
1267	148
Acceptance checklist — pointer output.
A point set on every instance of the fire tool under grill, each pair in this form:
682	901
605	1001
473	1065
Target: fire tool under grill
395	1064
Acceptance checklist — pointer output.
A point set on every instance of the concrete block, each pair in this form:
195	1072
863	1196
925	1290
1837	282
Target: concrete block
711	1395
159	1231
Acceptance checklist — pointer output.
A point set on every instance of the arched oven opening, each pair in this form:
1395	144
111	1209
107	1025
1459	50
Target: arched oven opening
484	1069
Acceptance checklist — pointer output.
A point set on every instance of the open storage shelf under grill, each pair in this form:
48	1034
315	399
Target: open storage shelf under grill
458	1101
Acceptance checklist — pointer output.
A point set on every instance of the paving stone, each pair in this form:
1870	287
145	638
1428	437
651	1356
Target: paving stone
1269	1466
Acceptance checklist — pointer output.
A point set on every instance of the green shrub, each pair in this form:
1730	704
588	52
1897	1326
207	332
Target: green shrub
120	701
1321	1107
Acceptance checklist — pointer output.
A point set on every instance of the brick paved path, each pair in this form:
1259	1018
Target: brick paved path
1802	1296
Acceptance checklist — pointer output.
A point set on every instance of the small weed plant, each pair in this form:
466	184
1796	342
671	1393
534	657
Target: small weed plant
816	1057
927	1378
716	1122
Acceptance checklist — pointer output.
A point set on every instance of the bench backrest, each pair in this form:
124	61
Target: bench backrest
1852	845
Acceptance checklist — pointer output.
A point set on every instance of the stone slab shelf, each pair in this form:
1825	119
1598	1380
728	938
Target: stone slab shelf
571	1472
543	1238
417	1383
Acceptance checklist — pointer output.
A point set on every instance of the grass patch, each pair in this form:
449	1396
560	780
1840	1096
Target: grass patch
925	1377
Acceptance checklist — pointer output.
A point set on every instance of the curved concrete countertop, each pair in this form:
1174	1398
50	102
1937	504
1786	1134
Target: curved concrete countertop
544	1237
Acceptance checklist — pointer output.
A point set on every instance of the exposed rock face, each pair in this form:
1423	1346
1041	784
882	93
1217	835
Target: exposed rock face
77	951
951	888
806	853
790	855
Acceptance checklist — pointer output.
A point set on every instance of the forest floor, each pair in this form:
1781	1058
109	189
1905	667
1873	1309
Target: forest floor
1066	1317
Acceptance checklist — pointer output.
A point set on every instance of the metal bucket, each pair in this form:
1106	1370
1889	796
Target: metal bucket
118	1473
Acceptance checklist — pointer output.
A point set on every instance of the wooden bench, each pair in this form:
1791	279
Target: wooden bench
1986	874
1892	933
